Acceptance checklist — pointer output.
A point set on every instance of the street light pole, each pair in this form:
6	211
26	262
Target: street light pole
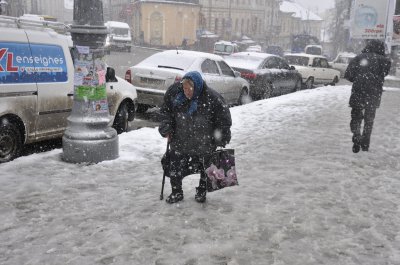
88	137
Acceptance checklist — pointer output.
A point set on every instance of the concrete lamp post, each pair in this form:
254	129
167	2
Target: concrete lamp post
88	137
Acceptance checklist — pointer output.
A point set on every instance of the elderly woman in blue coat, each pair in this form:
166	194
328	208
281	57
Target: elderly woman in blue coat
196	120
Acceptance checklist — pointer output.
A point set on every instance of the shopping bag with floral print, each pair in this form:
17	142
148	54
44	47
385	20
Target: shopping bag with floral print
221	173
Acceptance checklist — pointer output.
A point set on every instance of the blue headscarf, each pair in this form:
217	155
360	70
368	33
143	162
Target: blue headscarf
198	88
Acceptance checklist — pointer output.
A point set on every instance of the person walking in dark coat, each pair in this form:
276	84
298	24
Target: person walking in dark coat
367	72
196	120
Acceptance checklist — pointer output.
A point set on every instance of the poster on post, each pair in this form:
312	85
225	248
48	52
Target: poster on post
369	19
396	30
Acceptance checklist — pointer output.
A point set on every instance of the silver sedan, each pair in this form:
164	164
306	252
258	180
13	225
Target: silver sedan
155	74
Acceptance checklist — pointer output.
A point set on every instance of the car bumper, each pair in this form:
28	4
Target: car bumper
150	97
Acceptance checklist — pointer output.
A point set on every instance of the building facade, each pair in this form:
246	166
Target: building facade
118	10
295	19
165	23
232	19
62	10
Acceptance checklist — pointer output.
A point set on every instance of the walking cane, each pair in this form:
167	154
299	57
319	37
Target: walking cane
163	178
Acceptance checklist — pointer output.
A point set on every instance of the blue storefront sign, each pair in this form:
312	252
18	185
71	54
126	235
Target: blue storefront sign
34	63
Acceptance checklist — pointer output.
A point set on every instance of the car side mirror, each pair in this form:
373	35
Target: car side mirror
236	73
292	67
110	75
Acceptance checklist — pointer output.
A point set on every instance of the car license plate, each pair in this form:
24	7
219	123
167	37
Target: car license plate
151	81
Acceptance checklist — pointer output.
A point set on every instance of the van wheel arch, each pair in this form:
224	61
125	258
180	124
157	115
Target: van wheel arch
12	132
309	84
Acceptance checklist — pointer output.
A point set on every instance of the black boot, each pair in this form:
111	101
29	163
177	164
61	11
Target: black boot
356	140
200	195
177	192
365	148
175	196
356	148
364	143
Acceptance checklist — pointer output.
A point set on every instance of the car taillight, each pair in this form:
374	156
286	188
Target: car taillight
248	75
178	79
128	76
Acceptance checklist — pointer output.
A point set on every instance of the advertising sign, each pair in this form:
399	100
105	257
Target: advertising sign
90	80
35	63
369	19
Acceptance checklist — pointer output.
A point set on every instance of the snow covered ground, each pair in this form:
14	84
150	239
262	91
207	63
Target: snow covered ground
304	197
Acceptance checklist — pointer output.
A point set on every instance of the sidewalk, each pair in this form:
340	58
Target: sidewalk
392	81
304	197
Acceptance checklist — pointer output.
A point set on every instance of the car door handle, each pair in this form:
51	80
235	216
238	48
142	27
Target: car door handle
70	94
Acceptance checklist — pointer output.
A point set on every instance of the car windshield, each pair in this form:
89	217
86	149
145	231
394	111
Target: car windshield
171	60
120	31
245	62
297	60
223	48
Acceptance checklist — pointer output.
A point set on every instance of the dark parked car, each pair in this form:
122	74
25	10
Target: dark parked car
268	74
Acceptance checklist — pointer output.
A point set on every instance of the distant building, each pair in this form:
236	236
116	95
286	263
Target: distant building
231	19
62	10
295	19
118	10
165	23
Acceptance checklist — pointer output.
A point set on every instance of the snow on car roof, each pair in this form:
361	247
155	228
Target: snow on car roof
225	42
305	55
247	60
180	59
116	24
261	55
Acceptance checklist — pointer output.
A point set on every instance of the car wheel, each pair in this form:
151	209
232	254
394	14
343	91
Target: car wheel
244	97
335	81
121	121
297	87
310	82
10	142
142	108
267	91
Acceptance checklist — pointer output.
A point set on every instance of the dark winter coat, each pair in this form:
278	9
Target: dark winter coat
367	71
196	132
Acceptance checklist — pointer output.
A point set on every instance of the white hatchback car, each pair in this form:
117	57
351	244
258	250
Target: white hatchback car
341	61
314	69
155	74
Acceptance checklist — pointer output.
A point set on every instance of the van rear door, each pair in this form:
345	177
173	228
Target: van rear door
54	71
18	91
